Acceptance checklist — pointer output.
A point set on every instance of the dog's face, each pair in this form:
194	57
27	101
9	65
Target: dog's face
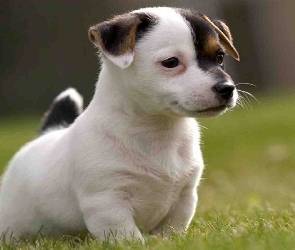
173	58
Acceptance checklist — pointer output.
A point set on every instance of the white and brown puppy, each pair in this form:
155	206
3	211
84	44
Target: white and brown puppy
131	162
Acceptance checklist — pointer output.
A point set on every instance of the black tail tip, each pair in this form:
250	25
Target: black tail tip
66	107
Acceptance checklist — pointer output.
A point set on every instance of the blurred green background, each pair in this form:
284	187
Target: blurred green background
249	152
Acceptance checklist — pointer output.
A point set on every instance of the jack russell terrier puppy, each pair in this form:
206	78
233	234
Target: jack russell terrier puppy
131	162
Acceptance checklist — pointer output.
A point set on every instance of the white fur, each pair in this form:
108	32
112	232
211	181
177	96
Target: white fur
131	162
123	61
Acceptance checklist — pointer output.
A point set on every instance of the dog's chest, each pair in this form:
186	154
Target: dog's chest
152	172
153	200
152	191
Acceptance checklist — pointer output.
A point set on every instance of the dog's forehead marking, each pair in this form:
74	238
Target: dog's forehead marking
183	27
206	42
172	31
211	46
205	38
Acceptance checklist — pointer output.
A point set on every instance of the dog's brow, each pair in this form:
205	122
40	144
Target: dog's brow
201	32
212	46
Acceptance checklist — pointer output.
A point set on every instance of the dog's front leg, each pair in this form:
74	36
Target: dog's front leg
109	217
182	212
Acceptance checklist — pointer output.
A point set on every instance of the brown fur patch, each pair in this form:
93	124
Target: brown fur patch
118	35
129	42
212	46
95	37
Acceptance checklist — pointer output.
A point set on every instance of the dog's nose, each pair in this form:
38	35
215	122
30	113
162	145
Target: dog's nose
224	89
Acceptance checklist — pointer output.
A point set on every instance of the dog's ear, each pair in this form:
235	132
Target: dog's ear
225	36
224	28
116	37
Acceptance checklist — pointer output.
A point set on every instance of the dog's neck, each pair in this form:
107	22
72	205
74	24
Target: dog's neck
111	93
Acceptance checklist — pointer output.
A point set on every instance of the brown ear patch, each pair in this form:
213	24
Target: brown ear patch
129	42
224	40
95	37
118	35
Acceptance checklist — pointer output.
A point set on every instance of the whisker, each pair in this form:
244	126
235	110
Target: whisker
249	94
240	103
246	83
243	102
246	98
248	103
244	105
202	126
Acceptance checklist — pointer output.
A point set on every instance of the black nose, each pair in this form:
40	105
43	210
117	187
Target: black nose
224	89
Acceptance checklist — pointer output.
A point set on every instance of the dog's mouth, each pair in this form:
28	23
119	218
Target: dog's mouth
213	109
208	112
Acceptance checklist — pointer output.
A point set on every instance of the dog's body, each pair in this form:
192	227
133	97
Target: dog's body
131	161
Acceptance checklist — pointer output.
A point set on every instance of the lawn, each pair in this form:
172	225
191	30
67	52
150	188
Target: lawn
247	195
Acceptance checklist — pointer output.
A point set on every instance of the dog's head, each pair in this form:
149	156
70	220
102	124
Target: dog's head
171	60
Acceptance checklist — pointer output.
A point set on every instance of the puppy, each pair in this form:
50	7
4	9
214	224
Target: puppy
131	162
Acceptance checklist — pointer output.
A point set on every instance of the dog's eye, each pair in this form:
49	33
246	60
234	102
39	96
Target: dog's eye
171	62
219	57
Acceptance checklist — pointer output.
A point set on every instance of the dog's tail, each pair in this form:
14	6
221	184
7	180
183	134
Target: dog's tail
66	107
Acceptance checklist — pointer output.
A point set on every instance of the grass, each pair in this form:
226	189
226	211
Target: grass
246	199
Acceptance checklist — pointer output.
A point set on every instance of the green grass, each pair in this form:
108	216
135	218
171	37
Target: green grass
247	196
